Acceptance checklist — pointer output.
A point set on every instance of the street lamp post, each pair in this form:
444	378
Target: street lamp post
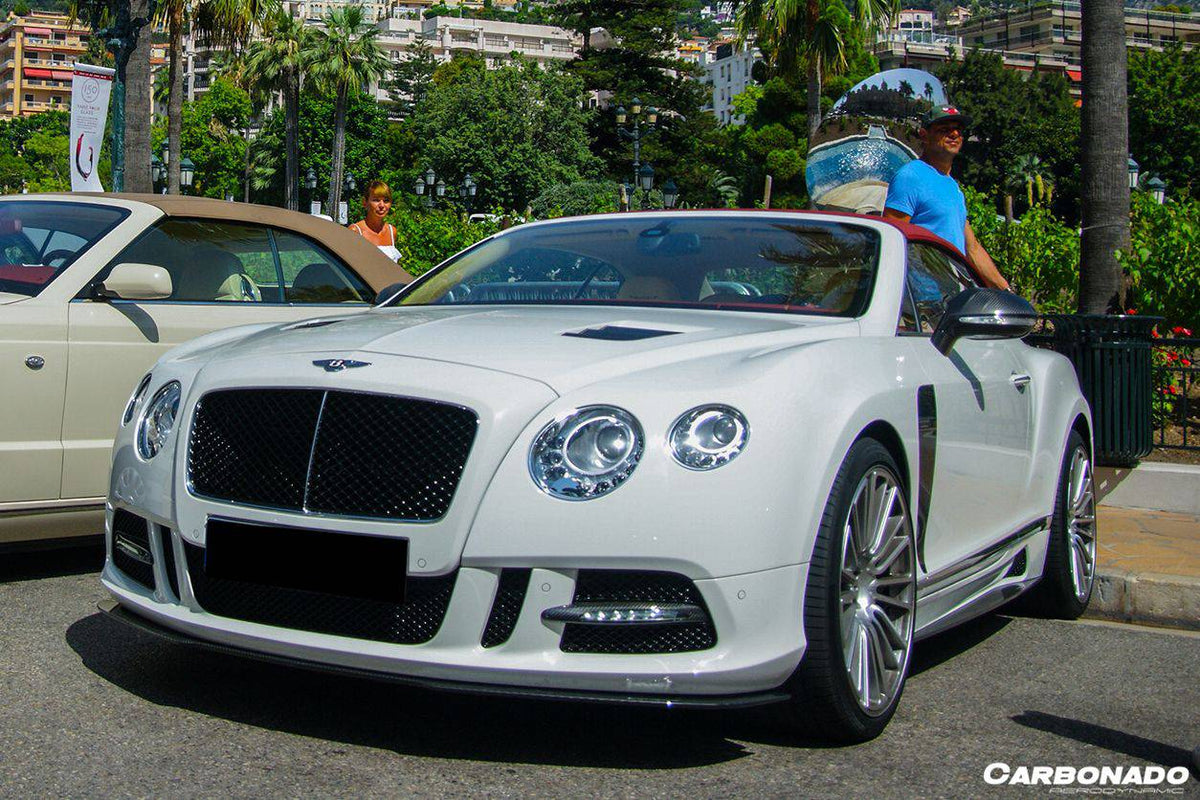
430	188
636	132
310	183
1158	189
466	192
343	209
1133	173
187	171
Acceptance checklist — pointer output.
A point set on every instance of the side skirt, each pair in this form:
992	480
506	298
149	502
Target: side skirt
982	581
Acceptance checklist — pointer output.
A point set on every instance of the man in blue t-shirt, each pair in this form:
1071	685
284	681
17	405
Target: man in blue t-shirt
924	194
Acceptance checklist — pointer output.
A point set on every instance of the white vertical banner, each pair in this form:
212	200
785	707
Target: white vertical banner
90	88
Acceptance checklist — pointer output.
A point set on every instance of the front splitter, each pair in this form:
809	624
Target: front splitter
115	610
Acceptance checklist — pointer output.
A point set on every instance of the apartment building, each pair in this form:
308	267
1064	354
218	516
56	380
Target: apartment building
729	73
493	41
37	54
1055	29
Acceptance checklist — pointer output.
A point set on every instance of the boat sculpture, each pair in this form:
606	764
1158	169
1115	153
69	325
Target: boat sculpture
870	133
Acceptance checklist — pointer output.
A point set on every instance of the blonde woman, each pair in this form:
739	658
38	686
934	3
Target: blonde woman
377	200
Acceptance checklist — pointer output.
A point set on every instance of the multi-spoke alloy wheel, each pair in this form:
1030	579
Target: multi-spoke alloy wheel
877	590
1070	571
859	604
1081	524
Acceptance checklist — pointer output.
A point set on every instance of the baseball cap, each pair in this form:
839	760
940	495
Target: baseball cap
944	114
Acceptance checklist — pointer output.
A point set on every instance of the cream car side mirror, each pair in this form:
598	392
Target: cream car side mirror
137	282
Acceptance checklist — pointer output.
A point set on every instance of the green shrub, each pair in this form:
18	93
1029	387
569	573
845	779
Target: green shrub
576	199
429	237
1163	261
1037	253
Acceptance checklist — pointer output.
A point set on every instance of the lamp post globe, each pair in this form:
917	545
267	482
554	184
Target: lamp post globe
646	177
187	171
670	193
1133	173
1158	188
310	179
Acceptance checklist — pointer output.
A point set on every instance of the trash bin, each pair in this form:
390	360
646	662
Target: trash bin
1112	358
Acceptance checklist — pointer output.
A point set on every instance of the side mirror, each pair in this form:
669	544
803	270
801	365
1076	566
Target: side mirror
136	282
983	314
389	292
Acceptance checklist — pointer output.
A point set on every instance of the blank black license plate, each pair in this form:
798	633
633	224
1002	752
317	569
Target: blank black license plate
370	567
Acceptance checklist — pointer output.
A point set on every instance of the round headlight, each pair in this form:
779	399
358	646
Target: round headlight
134	399
708	437
158	420
586	453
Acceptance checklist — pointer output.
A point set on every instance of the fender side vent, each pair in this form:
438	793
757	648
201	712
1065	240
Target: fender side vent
1019	565
131	551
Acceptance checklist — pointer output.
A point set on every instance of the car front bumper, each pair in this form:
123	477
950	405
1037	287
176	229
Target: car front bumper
757	618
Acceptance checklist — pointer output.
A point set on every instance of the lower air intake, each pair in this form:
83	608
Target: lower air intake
415	621
618	586
131	551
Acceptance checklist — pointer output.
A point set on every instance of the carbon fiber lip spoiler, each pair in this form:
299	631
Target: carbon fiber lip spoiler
116	611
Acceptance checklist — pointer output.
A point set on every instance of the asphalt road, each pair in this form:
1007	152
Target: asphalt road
88	707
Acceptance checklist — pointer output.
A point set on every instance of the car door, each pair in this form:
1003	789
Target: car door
976	407
223	274
40	243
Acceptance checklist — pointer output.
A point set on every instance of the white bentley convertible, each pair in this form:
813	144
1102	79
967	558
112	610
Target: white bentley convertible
706	458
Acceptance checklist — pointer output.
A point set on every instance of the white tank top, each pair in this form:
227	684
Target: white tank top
389	250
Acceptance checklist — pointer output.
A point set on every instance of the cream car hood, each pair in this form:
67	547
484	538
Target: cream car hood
543	343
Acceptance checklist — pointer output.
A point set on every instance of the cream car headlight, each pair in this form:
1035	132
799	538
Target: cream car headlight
708	437
134	399
586	453
158	420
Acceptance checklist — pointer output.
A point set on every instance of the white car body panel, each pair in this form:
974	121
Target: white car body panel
744	533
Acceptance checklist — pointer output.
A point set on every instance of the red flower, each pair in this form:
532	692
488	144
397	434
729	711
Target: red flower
1131	311
1173	389
1179	330
1154	333
1185	362
1171	356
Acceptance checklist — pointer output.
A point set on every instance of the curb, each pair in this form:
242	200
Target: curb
1146	598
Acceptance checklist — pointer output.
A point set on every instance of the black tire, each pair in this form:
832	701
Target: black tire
1055	594
824	701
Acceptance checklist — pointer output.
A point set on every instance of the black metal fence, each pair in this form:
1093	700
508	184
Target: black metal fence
1176	393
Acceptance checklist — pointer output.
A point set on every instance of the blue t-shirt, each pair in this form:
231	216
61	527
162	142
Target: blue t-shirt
932	200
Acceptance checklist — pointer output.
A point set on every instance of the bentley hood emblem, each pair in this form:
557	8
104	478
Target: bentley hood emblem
339	364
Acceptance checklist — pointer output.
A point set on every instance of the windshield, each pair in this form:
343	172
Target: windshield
40	239
736	262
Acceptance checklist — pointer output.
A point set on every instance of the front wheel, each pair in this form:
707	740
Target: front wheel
860	602
1070	571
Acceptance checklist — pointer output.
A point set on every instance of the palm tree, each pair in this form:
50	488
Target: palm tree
346	58
1029	173
232	67
276	62
1104	143
812	34
226	23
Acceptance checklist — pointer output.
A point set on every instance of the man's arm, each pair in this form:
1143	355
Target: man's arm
983	262
891	213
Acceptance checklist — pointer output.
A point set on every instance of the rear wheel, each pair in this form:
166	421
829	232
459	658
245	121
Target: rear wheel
1070	571
860	603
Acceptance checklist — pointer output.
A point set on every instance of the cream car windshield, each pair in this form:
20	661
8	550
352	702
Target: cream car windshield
40	239
800	266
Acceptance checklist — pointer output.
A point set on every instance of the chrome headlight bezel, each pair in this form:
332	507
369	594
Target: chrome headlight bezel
135	398
158	419
586	452
695	445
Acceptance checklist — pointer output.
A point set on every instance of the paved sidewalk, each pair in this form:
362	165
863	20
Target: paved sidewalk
1148	568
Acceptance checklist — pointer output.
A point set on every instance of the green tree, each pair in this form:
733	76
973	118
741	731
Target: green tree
276	62
811	34
211	135
346	58
412	78
1014	116
1164	114
518	130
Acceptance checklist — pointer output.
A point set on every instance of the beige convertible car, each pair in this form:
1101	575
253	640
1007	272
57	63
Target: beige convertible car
93	288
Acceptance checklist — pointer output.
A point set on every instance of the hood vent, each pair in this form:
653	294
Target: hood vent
619	333
313	323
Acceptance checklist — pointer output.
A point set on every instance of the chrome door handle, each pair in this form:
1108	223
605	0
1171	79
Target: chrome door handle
1020	381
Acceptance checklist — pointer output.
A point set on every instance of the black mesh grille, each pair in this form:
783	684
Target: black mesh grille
373	456
133	529
165	535
415	621
393	457
510	596
600	586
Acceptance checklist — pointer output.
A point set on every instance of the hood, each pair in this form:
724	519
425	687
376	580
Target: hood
563	347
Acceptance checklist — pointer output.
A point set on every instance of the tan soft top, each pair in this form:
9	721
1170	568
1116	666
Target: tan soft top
368	260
